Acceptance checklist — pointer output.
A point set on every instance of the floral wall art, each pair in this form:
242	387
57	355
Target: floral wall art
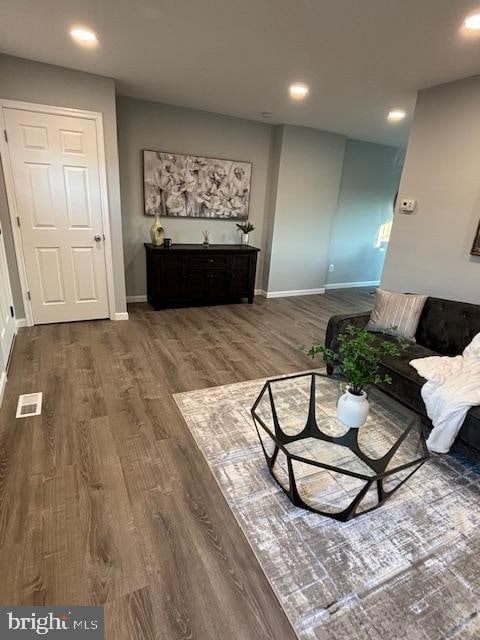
195	187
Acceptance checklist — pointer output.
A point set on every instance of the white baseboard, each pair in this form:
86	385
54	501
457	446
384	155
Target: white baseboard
140	298
351	285
22	322
120	316
297	292
3	384
260	292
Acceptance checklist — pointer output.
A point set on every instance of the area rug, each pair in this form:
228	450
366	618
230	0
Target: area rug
409	570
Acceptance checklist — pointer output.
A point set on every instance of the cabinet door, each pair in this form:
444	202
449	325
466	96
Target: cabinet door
218	285
170	278
196	286
241	266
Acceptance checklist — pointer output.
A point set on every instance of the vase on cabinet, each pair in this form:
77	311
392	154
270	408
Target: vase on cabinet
157	232
352	409
245	239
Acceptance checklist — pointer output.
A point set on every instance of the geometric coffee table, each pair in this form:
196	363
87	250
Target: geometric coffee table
322	465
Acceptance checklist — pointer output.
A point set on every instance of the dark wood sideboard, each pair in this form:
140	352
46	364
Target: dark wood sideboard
190	275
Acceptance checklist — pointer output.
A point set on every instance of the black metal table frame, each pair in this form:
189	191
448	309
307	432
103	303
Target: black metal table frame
348	440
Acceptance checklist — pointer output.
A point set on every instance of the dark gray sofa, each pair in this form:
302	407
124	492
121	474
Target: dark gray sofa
445	328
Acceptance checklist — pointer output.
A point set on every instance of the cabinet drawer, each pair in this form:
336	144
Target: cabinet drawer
208	261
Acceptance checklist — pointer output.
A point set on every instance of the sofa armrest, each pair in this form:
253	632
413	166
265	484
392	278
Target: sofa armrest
337	324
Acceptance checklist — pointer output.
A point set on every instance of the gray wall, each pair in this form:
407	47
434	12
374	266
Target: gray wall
295	182
310	169
150	125
274	166
370	178
295	186
47	84
429	251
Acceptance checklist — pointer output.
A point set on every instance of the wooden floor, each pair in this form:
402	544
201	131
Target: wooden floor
105	499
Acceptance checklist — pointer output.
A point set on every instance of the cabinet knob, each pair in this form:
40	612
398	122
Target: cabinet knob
211	260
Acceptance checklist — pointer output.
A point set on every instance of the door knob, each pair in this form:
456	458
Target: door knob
97	238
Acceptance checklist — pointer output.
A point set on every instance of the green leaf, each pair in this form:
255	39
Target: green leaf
359	355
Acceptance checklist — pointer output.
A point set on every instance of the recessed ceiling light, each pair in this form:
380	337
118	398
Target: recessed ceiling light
395	115
84	36
472	22
298	91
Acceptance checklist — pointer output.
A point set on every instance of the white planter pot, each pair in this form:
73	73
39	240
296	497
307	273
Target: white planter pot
352	410
244	238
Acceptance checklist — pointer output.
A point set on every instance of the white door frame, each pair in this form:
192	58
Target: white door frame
12	204
3	380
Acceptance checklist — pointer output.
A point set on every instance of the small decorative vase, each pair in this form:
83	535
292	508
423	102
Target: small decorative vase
352	410
245	238
157	232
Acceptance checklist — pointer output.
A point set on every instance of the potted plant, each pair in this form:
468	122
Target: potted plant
245	228
358	360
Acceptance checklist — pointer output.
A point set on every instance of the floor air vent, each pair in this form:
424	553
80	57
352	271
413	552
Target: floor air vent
29	404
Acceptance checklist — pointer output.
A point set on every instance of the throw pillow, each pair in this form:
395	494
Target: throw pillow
396	314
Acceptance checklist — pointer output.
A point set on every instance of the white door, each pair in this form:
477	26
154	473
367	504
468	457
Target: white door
7	321
56	180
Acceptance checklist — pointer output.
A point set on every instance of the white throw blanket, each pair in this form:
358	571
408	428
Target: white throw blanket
452	388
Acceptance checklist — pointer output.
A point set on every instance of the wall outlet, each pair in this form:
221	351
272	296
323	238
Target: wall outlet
408	205
331	268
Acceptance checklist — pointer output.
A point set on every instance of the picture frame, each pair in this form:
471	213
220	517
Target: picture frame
189	186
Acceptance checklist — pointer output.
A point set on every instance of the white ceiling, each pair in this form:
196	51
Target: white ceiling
359	57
